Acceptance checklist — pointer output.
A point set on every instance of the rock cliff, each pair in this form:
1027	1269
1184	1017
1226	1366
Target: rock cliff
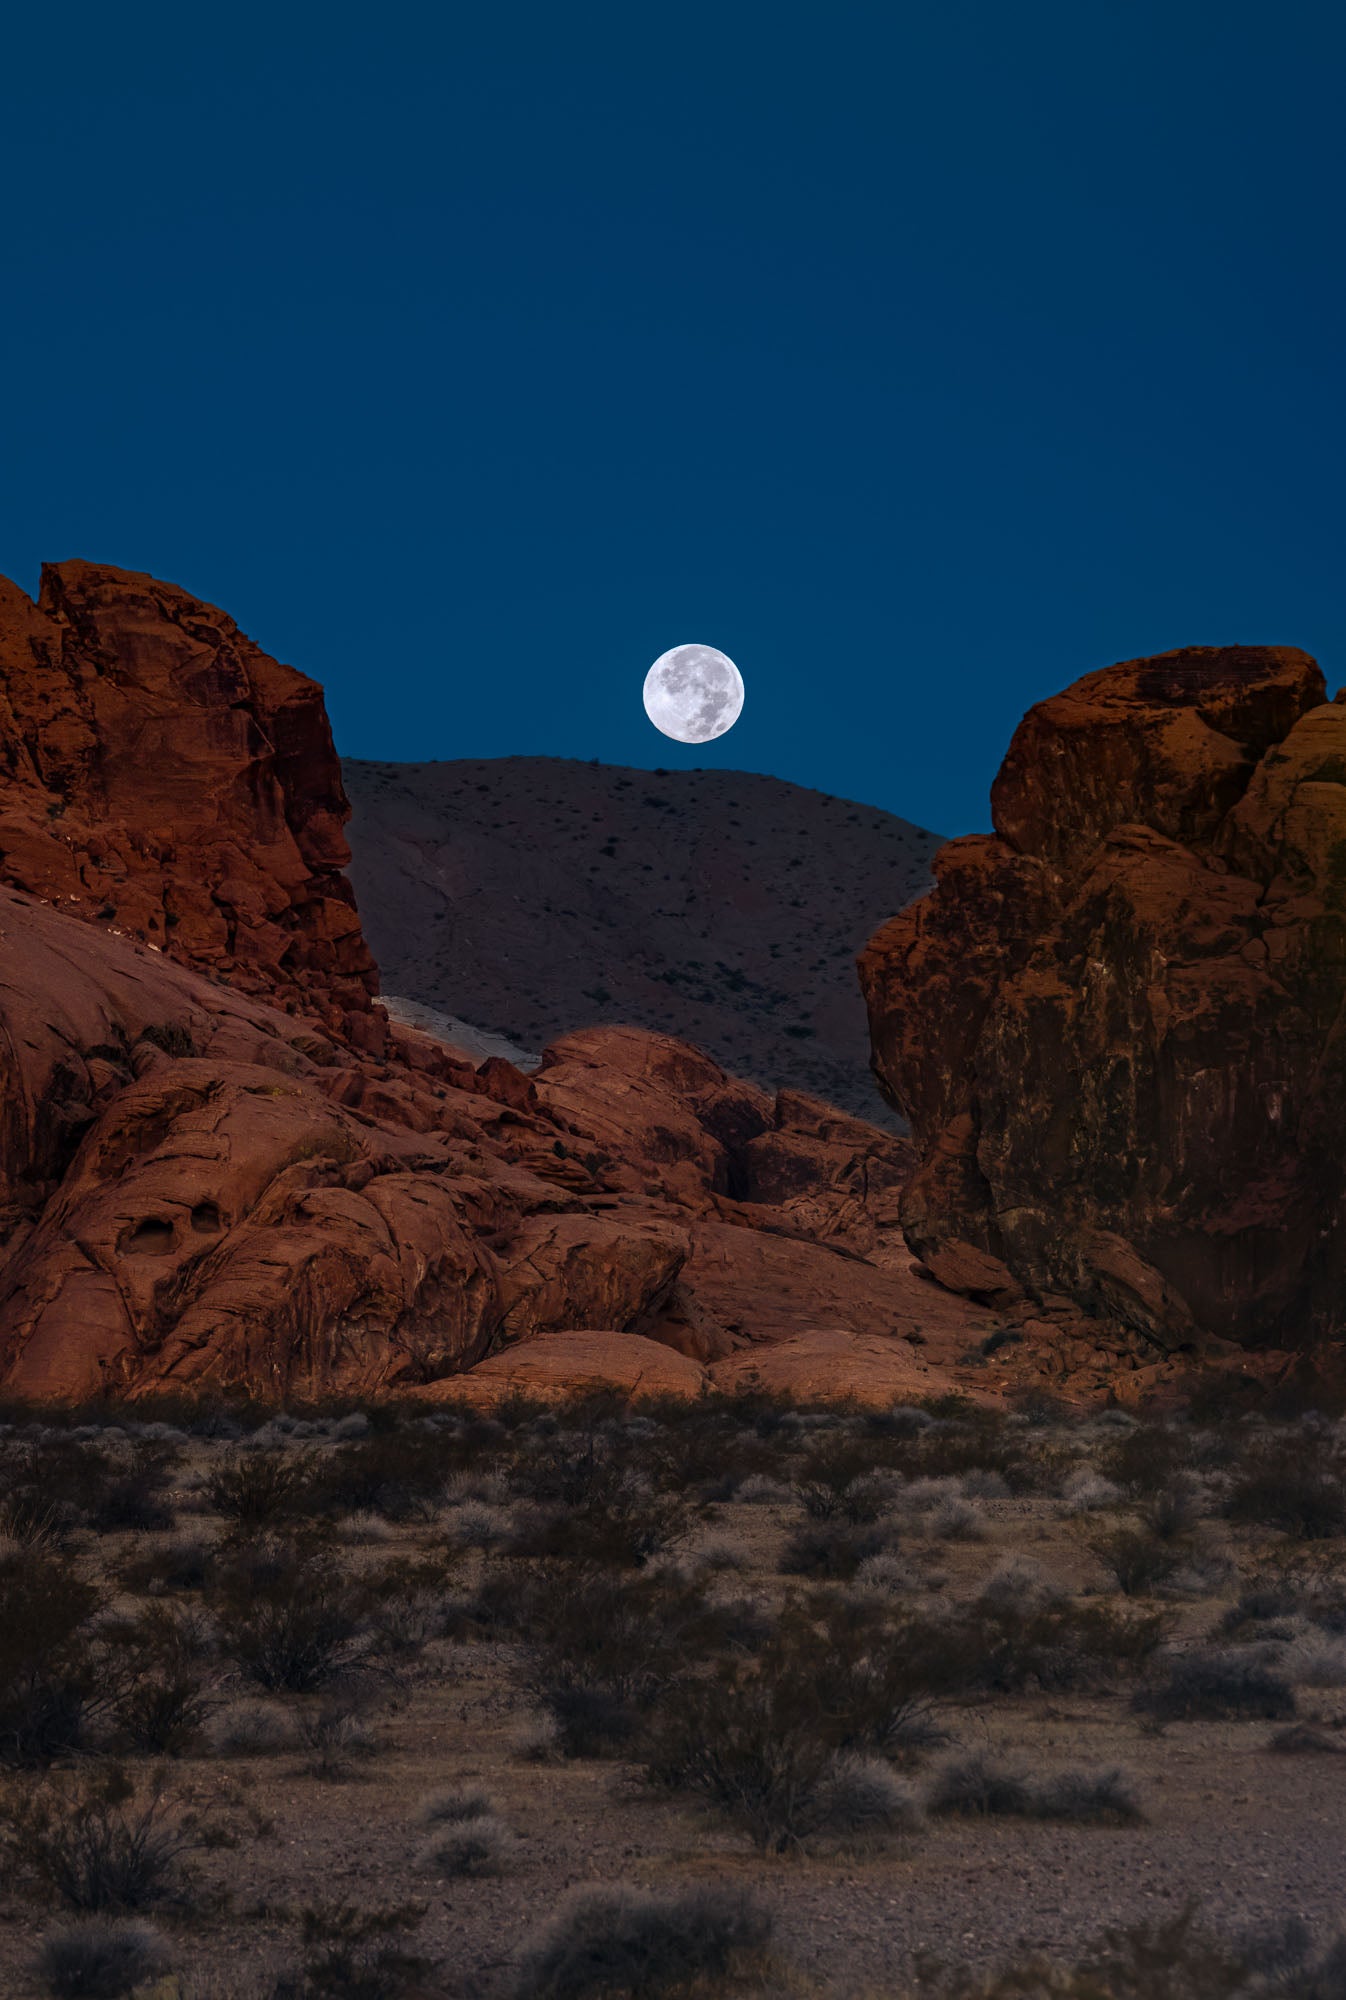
1116	1026
161	775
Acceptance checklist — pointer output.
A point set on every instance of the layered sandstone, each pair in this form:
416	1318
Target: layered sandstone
1116	1026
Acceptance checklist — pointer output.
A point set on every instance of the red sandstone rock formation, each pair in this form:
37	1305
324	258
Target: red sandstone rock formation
161	775
200	1191
1117	1027
221	1167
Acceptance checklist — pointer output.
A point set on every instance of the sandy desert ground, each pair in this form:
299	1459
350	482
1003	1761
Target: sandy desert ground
357	1704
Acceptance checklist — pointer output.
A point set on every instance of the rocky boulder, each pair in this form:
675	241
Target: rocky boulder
160	775
1117	1025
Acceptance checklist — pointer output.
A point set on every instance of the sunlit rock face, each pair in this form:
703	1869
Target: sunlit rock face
1116	1025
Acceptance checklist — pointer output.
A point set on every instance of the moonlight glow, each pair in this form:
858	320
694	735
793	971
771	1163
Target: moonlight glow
693	693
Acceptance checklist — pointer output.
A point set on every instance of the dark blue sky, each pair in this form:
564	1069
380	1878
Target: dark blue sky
922	358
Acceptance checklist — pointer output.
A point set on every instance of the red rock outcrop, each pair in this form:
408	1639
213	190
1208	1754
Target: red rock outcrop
200	1191
1117	1026
161	775
221	1166
553	1366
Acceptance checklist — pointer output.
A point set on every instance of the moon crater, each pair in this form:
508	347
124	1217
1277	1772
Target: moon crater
693	693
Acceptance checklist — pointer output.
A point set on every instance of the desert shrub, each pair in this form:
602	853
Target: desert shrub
409	1602
1136	1559
51	1683
974	1787
742	1743
759	1489
1271	1598
603	1646
257	1490
637	1944
1175	1958
98	1846
1147	1458
448	1808
590	1508
978	1442
332	1734
353	1954
1313	1659
474	1524
100	1958
479	1845
1301	1492
956	1519
1174	1511
133	1501
835	1484
1007	1644
707	1452
831	1548
1217	1685
1301	1739
873	1672
288	1616
888	1574
1087	1491
1088	1798
721	1555
758	1739
30	1516
396	1474
252	1729
160	1678
100	1488
862	1799
360	1531
180	1565
1020	1581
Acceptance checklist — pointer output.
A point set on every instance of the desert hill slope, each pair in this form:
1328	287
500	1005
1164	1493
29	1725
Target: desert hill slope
536	895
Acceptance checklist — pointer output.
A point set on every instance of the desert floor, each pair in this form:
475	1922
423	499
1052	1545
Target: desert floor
297	1631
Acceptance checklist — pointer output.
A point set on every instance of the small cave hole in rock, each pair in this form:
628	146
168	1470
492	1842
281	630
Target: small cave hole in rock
206	1220
151	1238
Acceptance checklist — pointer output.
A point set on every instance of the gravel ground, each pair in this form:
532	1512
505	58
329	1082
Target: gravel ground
1250	1835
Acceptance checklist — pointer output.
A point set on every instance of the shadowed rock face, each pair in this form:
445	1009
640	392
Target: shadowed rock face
160	774
1117	1025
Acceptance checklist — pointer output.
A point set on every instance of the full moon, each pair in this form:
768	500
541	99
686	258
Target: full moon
693	693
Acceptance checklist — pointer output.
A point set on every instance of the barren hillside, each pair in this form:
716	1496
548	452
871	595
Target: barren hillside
533	895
